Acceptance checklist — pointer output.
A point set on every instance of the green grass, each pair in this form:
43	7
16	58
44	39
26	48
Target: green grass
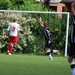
33	65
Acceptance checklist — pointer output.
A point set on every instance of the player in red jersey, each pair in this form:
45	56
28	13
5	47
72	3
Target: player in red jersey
12	33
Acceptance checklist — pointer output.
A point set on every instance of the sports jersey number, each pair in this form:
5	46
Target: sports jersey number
13	29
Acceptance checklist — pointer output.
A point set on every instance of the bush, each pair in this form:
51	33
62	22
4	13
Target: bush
31	38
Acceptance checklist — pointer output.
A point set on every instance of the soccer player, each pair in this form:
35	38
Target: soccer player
71	56
12	33
48	39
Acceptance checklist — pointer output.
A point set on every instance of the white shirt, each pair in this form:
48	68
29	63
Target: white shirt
13	28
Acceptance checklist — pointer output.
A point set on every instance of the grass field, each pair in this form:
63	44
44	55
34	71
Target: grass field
18	64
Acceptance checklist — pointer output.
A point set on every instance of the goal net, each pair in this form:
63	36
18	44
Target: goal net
31	38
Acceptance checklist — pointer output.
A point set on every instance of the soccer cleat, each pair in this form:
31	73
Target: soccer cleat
9	54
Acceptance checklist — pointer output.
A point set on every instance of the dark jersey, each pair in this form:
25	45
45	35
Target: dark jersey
72	35
48	39
47	34
72	39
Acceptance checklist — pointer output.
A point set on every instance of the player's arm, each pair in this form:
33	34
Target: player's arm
7	33
41	22
18	30
73	9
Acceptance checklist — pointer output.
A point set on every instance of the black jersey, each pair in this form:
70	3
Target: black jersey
72	35
47	34
72	39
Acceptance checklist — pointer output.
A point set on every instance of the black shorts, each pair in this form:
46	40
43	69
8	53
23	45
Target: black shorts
72	50
72	45
48	44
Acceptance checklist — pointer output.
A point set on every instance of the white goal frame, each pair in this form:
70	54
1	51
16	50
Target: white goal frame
48	12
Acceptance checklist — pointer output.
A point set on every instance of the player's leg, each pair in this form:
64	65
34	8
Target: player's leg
72	65
56	51
48	51
72	52
49	48
71	58
12	40
10	47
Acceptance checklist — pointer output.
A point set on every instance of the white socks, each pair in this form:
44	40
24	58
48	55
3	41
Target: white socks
50	57
72	64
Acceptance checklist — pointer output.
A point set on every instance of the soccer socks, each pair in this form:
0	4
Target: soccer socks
72	65
49	54
50	57
10	47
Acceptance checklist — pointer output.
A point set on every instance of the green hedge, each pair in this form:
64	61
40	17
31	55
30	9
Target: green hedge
31	38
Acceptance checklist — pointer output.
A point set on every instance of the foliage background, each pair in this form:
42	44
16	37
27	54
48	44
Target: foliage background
31	39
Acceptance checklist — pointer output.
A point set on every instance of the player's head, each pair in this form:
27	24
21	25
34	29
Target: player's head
15	20
46	26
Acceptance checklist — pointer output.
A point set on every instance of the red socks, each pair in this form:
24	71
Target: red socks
10	47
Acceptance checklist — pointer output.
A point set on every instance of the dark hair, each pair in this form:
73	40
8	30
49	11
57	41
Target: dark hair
45	25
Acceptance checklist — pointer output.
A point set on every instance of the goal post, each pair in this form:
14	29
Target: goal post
47	12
